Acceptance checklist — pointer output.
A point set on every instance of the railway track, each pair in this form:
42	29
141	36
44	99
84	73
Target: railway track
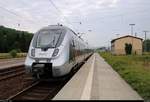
11	72
43	90
13	79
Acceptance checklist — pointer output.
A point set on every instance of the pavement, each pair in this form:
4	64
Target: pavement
96	80
8	63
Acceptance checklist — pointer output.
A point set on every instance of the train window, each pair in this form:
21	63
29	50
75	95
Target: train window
49	38
73	43
72	51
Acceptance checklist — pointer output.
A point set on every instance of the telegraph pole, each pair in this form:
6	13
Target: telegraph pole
117	35
145	33
132	28
132	33
135	34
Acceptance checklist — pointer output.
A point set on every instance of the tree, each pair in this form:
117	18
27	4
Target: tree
13	39
146	45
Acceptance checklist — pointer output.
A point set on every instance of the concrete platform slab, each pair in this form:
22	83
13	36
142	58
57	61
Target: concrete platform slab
96	80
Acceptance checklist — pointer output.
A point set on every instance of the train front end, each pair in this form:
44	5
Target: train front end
45	55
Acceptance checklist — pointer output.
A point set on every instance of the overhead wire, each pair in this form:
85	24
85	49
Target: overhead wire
66	19
15	14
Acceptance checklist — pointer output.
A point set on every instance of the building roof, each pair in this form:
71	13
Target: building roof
125	37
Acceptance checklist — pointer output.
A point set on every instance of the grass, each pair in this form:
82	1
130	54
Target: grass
135	69
7	55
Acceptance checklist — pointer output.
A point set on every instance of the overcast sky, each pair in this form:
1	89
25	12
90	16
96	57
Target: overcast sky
105	18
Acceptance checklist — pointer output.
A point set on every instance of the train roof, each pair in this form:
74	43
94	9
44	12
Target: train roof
62	26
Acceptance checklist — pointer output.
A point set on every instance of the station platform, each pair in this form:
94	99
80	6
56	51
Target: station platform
96	80
11	63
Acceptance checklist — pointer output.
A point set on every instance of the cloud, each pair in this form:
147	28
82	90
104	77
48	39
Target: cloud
100	16
32	10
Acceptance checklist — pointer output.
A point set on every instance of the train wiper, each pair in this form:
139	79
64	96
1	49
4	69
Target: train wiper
54	40
50	45
58	40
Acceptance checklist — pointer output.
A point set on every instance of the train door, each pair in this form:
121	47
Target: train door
72	51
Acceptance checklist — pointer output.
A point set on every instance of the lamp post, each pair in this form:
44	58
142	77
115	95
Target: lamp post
132	28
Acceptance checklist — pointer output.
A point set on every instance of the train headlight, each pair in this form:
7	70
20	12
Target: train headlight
55	52
33	52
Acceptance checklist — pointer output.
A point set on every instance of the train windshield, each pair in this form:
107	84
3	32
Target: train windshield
50	38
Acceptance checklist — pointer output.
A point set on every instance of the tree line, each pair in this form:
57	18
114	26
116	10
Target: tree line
146	45
11	39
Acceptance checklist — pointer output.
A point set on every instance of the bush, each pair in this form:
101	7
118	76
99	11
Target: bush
119	65
18	50
13	53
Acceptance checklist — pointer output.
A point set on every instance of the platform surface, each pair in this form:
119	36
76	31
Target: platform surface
96	80
8	63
